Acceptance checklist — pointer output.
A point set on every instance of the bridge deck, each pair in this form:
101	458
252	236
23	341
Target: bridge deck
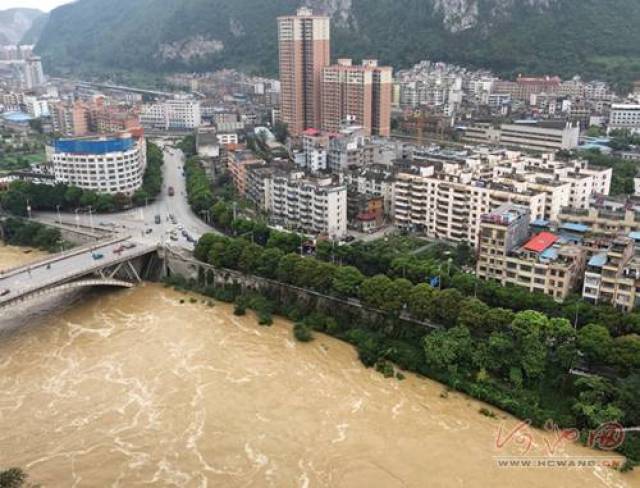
62	268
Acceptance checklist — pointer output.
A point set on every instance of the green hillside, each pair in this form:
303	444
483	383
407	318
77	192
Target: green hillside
594	38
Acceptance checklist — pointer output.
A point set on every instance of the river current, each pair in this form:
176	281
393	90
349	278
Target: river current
134	388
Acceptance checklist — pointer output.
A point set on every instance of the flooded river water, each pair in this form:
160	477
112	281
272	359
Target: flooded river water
133	388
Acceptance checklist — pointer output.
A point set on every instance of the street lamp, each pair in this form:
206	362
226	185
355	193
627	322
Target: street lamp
59	216
29	209
77	219
90	216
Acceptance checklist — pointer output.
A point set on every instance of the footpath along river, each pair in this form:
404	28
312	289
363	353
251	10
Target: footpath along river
133	388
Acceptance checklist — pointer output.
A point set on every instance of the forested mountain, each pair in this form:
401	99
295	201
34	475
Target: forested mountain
15	22
591	37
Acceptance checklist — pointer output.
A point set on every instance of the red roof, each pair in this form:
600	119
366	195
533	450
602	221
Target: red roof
541	242
367	216
311	132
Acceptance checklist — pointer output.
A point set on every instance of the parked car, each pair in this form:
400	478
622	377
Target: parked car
119	249
158	219
97	255
5	292
129	245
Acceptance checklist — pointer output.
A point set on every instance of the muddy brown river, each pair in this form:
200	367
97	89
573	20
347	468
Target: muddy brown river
133	388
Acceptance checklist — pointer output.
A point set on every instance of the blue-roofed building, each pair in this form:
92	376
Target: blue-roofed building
18	121
593	277
105	164
614	276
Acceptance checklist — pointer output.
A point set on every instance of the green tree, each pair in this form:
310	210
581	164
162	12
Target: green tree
448	349
497	319
397	295
347	281
72	196
627	351
141	197
222	215
13	478
374	291
89	199
287	268
15	202
446	307
249	258
203	246
105	203
269	262
594	340
420	301
473	314
594	405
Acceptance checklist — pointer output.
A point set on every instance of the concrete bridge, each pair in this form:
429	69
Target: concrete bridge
116	262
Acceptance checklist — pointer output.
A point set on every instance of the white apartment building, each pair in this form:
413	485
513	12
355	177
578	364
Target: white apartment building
33	73
524	136
176	114
625	116
312	205
445	200
36	108
107	165
450	206
227	139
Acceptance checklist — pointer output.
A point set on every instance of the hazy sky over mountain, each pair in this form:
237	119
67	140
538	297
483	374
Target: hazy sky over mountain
45	5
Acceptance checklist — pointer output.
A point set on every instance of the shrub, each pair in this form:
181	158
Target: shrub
302	332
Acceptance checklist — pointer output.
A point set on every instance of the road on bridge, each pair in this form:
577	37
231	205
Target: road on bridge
61	268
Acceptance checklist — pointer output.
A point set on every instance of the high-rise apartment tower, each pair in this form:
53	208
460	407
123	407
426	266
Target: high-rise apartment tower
304	46
358	95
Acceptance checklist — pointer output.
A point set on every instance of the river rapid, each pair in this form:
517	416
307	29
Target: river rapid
133	388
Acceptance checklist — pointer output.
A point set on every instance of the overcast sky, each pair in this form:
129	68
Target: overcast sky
45	5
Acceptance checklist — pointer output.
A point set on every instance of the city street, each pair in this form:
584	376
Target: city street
137	222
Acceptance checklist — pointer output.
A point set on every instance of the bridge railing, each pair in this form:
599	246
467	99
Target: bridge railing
7	273
67	277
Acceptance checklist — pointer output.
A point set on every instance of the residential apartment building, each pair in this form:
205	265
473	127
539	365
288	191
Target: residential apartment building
449	206
227	139
625	116
304	50
358	94
33	74
613	276
602	220
82	117
176	114
238	165
445	195
313	205
71	118
109	164
509	254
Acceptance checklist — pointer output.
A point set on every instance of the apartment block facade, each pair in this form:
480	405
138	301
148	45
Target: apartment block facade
304	50
625	116
613	276
528	137
542	263
446	198
177	114
360	95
